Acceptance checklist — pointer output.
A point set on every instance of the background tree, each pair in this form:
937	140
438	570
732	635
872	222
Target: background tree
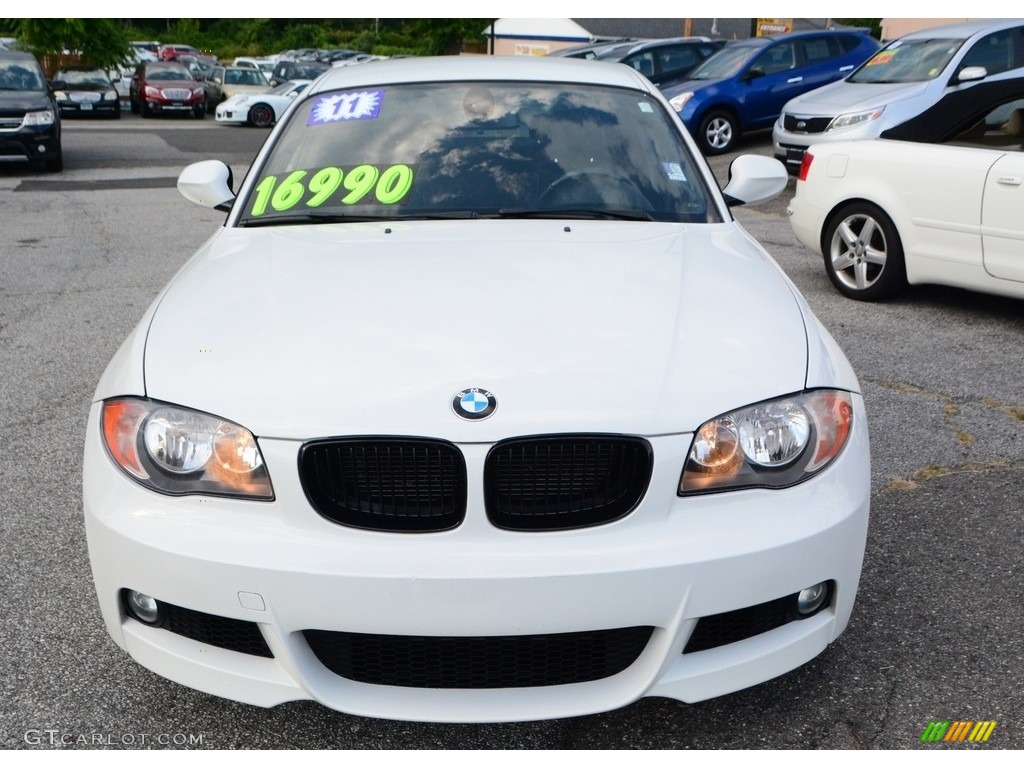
98	42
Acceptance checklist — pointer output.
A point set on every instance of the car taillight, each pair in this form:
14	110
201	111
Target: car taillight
805	166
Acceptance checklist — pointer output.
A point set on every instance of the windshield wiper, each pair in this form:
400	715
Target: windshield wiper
324	217
574	213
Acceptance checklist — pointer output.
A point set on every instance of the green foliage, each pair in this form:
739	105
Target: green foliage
98	42
105	41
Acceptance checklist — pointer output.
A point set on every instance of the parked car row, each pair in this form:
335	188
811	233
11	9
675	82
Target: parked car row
911	170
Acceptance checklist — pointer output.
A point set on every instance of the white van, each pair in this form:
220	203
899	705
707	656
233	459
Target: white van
899	82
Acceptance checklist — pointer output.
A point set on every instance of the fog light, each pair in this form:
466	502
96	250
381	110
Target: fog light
143	607
812	599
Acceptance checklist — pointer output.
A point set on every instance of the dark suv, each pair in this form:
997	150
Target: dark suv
663	62
297	70
29	118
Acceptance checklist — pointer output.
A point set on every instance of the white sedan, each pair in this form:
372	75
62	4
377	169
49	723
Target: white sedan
479	407
945	208
260	109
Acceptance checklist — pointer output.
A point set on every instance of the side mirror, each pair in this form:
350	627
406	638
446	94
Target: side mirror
970	74
754	179
207	183
752	73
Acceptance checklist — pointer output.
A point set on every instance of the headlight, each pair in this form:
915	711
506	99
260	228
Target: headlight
180	451
678	102
110	95
151	91
855	118
40	117
60	96
773	444
199	92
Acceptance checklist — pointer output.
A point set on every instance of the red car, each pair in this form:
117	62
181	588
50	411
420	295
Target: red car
166	86
172	52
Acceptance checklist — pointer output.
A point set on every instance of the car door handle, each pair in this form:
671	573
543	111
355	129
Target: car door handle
795	80
1010	181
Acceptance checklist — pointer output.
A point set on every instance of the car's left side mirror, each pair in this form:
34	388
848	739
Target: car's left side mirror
754	179
970	74
208	183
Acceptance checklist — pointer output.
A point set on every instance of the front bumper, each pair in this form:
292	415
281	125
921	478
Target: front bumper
230	115
29	143
284	569
89	108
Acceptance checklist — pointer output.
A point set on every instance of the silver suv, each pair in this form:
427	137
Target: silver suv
899	82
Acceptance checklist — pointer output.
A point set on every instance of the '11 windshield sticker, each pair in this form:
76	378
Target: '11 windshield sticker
358	105
354	185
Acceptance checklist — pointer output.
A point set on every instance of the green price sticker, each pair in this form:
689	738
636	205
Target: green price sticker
354	185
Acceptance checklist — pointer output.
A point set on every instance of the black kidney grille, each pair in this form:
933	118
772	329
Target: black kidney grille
230	634
386	484
515	661
566	481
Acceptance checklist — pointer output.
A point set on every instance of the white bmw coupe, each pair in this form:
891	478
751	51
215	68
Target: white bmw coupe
480	407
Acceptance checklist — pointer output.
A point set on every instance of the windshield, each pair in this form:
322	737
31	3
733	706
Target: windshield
726	63
470	150
907	61
244	77
15	76
169	74
80	77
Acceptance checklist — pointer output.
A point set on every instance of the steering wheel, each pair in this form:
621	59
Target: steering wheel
590	188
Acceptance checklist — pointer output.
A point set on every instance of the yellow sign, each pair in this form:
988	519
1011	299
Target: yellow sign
532	49
773	26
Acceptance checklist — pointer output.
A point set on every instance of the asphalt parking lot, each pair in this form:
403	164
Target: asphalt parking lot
935	635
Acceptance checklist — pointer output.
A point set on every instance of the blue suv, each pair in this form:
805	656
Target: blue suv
744	86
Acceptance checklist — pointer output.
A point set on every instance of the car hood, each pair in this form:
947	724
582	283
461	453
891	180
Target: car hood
306	331
24	100
690	85
840	97
246	90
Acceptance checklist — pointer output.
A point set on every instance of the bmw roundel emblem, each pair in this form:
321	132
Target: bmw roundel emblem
474	403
